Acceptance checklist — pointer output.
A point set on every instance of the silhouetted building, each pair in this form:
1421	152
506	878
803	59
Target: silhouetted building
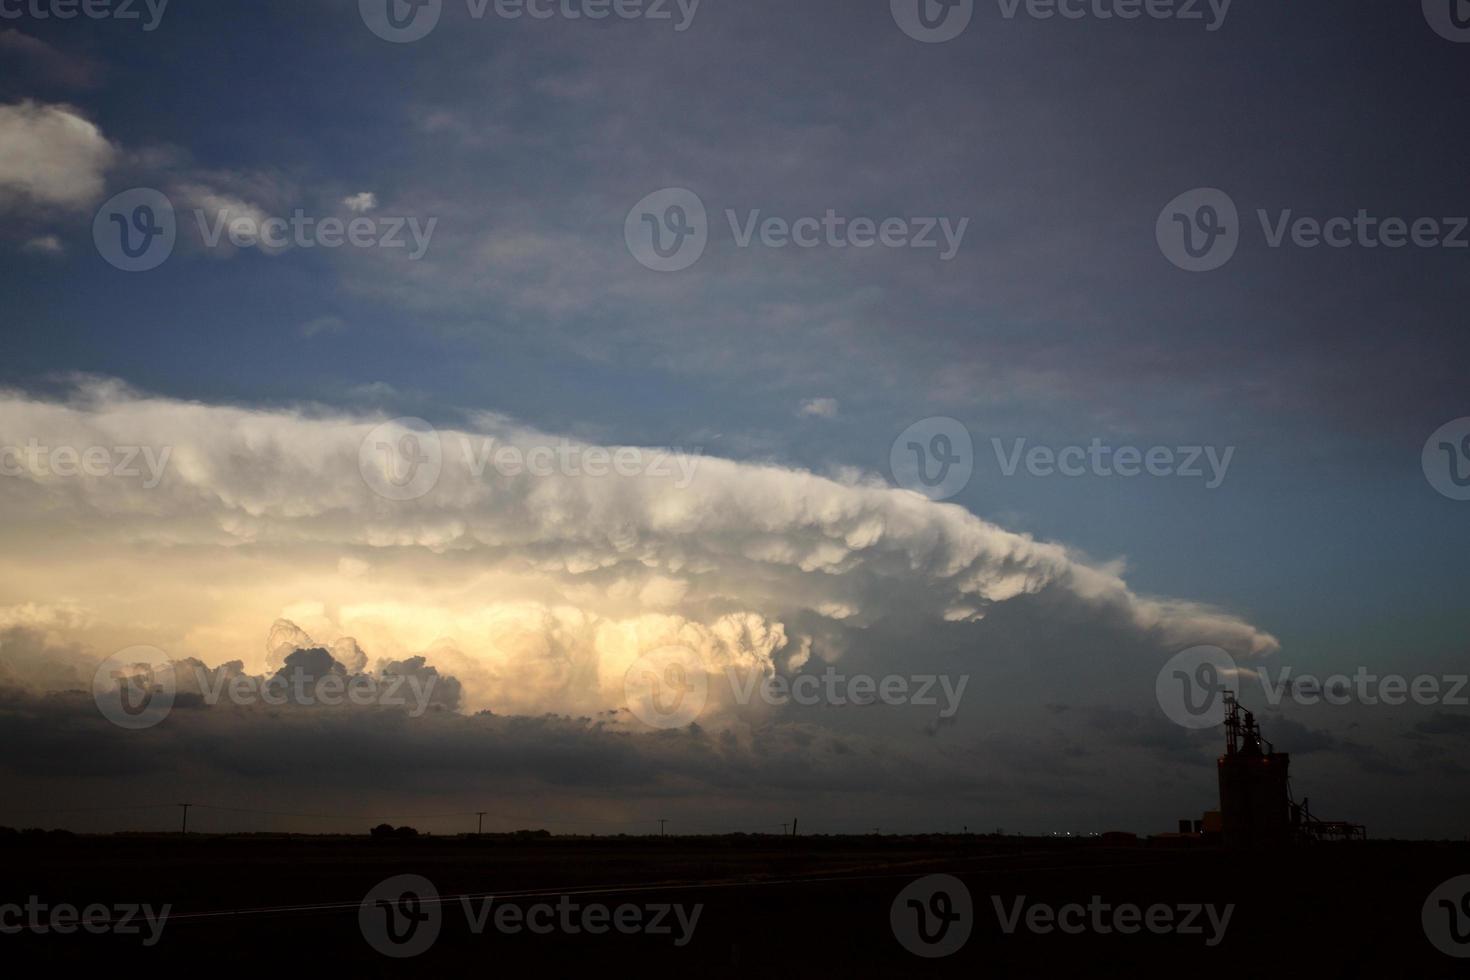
1255	798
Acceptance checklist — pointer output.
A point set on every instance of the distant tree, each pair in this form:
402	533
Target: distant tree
382	830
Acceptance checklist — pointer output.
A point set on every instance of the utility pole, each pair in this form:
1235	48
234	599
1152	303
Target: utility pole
783	830
184	829
661	822
480	826
793	826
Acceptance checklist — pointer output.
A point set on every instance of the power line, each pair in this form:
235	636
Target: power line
524	819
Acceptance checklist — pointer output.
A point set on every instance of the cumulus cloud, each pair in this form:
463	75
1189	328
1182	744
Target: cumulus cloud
53	156
538	591
218	211
327	324
361	203
45	245
818	408
529	595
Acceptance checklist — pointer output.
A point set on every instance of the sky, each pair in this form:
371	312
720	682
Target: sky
881	451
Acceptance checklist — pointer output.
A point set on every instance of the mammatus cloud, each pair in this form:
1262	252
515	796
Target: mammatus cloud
528	598
536	591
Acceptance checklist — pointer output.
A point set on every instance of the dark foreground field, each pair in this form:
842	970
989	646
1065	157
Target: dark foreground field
768	906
